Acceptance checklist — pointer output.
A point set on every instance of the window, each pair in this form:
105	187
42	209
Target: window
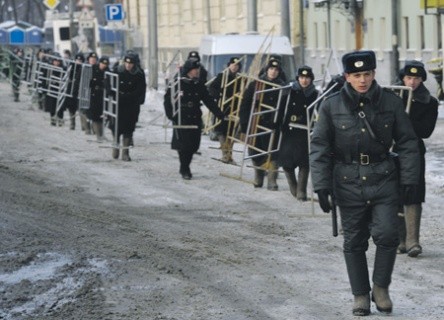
64	33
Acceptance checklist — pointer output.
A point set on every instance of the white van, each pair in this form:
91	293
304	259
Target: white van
216	50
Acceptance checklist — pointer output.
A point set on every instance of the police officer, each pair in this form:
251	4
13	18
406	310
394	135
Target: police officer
270	78
71	102
97	85
51	101
192	91
350	160
16	71
85	121
293	152
423	115
132	89
217	91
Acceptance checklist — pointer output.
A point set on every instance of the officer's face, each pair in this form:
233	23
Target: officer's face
304	81
272	73
129	66
412	82
234	67
102	66
193	73
360	81
92	60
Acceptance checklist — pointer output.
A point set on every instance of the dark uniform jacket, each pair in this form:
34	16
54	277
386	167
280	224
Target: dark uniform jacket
343	156
192	92
217	92
423	115
132	90
97	85
267	120
293	151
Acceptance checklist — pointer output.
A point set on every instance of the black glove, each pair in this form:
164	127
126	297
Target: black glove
409	193
324	202
220	115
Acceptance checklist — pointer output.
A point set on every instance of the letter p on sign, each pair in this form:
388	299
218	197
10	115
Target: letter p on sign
114	12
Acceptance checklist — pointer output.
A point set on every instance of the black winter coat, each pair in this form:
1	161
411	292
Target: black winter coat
423	115
340	137
191	94
97	86
293	151
132	90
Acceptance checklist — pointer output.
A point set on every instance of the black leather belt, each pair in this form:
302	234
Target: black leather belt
365	159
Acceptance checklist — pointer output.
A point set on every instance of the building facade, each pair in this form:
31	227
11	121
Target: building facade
397	30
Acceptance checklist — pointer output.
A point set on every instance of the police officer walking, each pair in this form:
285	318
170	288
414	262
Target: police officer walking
293	152
97	86
132	90
16	71
217	91
350	161
270	79
192	91
423	115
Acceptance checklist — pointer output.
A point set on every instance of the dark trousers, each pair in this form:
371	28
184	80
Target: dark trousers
359	223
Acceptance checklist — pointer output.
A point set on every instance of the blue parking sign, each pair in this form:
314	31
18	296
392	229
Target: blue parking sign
114	12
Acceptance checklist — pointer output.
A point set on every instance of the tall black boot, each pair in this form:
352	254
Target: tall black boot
292	182
185	161
382	276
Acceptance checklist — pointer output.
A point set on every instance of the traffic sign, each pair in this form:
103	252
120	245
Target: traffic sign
114	12
51	4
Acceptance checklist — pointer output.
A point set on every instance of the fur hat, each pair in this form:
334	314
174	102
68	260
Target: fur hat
273	63
91	55
414	68
358	61
130	58
190	64
194	55
234	60
104	59
79	56
305	71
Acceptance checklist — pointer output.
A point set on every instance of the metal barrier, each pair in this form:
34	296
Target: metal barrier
84	88
399	90
111	104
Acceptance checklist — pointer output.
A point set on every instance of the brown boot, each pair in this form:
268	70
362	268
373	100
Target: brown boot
401	231
361	306
258	178
98	130
291	179
412	216
381	298
125	151
272	177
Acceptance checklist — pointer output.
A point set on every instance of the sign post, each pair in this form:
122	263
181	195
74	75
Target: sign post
51	4
114	12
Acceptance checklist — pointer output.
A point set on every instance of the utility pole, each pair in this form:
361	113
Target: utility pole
208	8
395	53
251	15
285	18
359	17
301	31
153	62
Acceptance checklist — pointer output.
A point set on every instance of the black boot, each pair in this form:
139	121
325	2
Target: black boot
185	161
